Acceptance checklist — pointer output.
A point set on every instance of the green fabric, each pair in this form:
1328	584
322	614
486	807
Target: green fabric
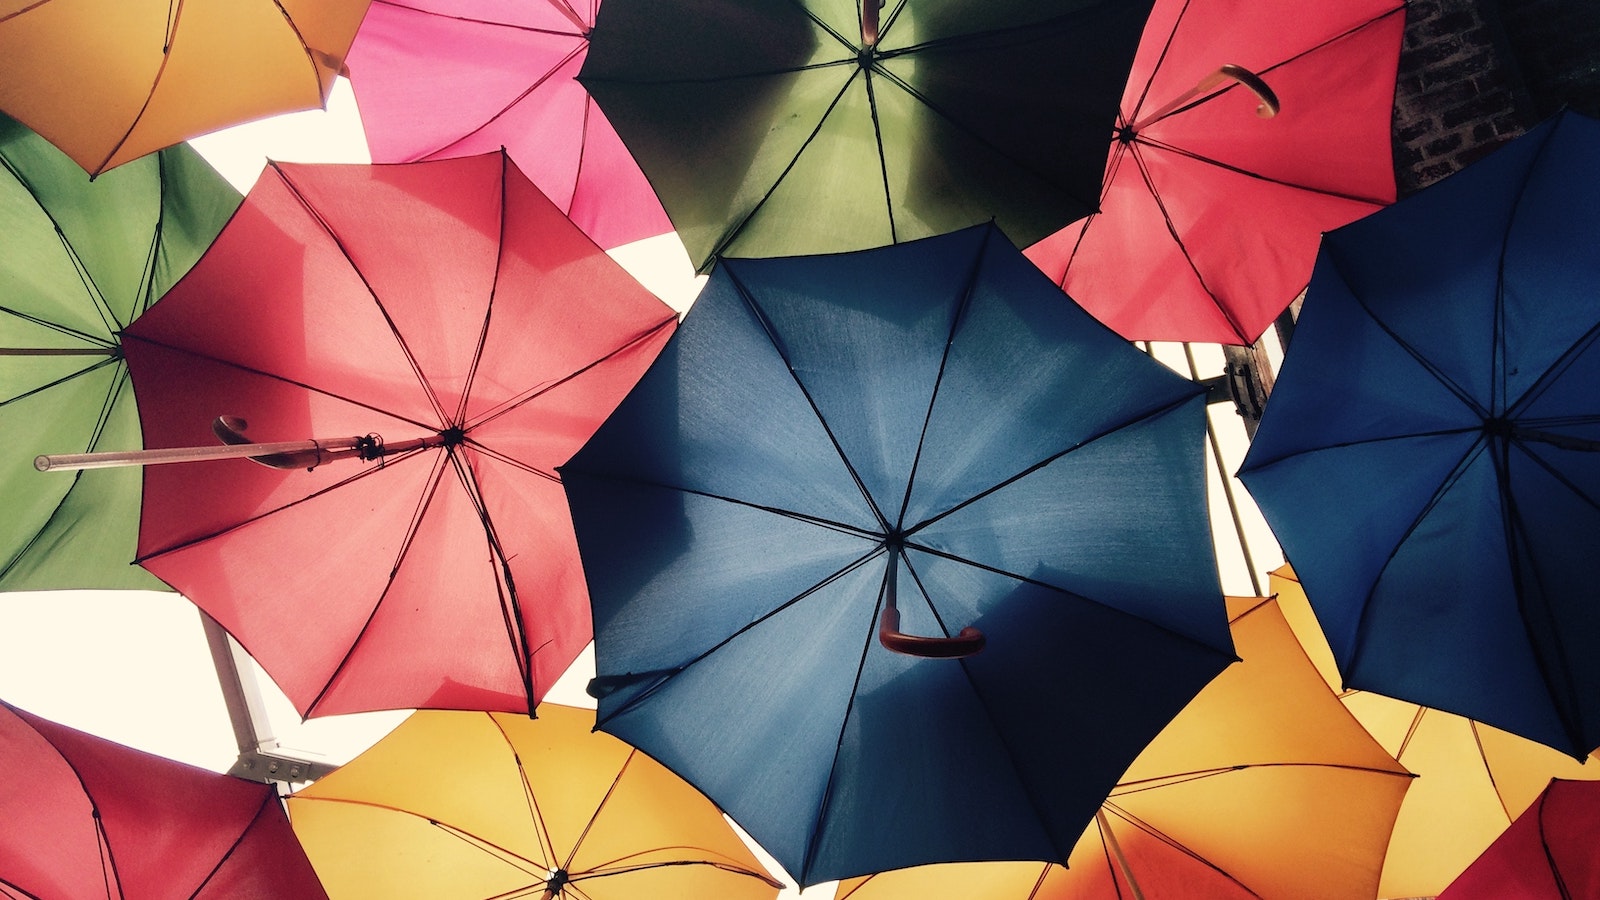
80	260
764	134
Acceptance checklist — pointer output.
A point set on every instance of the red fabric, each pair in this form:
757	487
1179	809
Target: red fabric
170	830
399	300
1551	851
441	78
1211	218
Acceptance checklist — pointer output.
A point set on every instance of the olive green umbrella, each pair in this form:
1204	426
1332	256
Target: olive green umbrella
79	260
795	127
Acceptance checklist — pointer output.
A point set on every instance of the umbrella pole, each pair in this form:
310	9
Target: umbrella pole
281	455
964	644
1239	74
58	351
1116	852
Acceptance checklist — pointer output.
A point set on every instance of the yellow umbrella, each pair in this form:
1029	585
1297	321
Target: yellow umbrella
1263	787
468	804
1472	779
108	81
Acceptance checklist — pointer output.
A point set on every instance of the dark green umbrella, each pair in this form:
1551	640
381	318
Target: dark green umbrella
788	127
79	260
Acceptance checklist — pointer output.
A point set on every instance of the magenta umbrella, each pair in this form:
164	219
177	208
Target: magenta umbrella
443	78
82	817
1548	852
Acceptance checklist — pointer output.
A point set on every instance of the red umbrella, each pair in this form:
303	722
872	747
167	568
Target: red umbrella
440	78
82	817
1548	853
1245	131
470	338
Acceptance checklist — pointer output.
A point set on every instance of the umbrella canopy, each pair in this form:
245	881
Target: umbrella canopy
472	338
1428	458
82	817
79	261
775	127
1263	787
108	81
1472	779
516	807
1210	214
1546	854
900	442
438	78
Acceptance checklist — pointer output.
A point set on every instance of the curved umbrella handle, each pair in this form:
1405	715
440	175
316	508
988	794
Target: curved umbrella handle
230	430
968	642
1249	80
869	22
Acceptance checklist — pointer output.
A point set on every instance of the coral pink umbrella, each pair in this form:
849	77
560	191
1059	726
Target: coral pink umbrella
82	817
1246	130
440	78
442	322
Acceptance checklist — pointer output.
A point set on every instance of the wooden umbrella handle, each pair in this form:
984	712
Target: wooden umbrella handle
1250	81
969	641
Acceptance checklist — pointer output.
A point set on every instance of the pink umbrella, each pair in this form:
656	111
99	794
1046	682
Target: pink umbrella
443	78
82	817
1548	852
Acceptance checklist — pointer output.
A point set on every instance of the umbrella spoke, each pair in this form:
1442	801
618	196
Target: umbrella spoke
394	329
541	830
91	290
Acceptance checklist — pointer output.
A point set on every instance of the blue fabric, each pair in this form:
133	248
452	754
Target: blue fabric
1046	480
1405	460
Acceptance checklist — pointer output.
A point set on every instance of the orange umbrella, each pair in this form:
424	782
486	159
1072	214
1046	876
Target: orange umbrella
1472	779
469	804
1263	787
108	81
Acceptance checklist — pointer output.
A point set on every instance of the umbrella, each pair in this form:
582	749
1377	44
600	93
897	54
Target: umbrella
1472	779
446	322
516	807
79	261
437	78
1263	787
774	127
110	81
1548	852
83	817
1209	216
922	442
1427	459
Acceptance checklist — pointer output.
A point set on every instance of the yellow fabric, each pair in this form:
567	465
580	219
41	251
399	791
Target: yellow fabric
1264	777
1472	779
102	79
461	804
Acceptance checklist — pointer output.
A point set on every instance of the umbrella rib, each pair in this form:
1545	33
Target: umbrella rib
101	306
566	864
174	12
131	336
938	378
1135	419
772	338
1239	170
1128	788
268	796
504	854
405	545
537	83
618	868
488	307
532	393
514	463
541	831
734	231
473	20
1558	368
1171	842
21	893
87	370
505	585
394	330
1144	93
883	159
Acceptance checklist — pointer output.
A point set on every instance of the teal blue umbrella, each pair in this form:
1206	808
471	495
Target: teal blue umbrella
899	556
79	260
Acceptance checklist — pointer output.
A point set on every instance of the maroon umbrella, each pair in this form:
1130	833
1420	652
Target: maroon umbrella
1548	853
82	817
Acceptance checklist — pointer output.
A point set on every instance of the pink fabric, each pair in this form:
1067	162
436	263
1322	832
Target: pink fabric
444	78
1212	217
398	300
169	830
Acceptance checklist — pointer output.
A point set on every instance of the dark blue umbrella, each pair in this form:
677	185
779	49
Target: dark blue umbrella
1428	458
929	429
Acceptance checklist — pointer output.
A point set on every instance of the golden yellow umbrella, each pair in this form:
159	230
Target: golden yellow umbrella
469	804
1472	779
108	81
1263	787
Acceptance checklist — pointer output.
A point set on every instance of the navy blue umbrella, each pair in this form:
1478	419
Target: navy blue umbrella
899	556
1429	455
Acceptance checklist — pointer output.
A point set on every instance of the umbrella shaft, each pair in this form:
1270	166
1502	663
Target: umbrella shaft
331	449
58	351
